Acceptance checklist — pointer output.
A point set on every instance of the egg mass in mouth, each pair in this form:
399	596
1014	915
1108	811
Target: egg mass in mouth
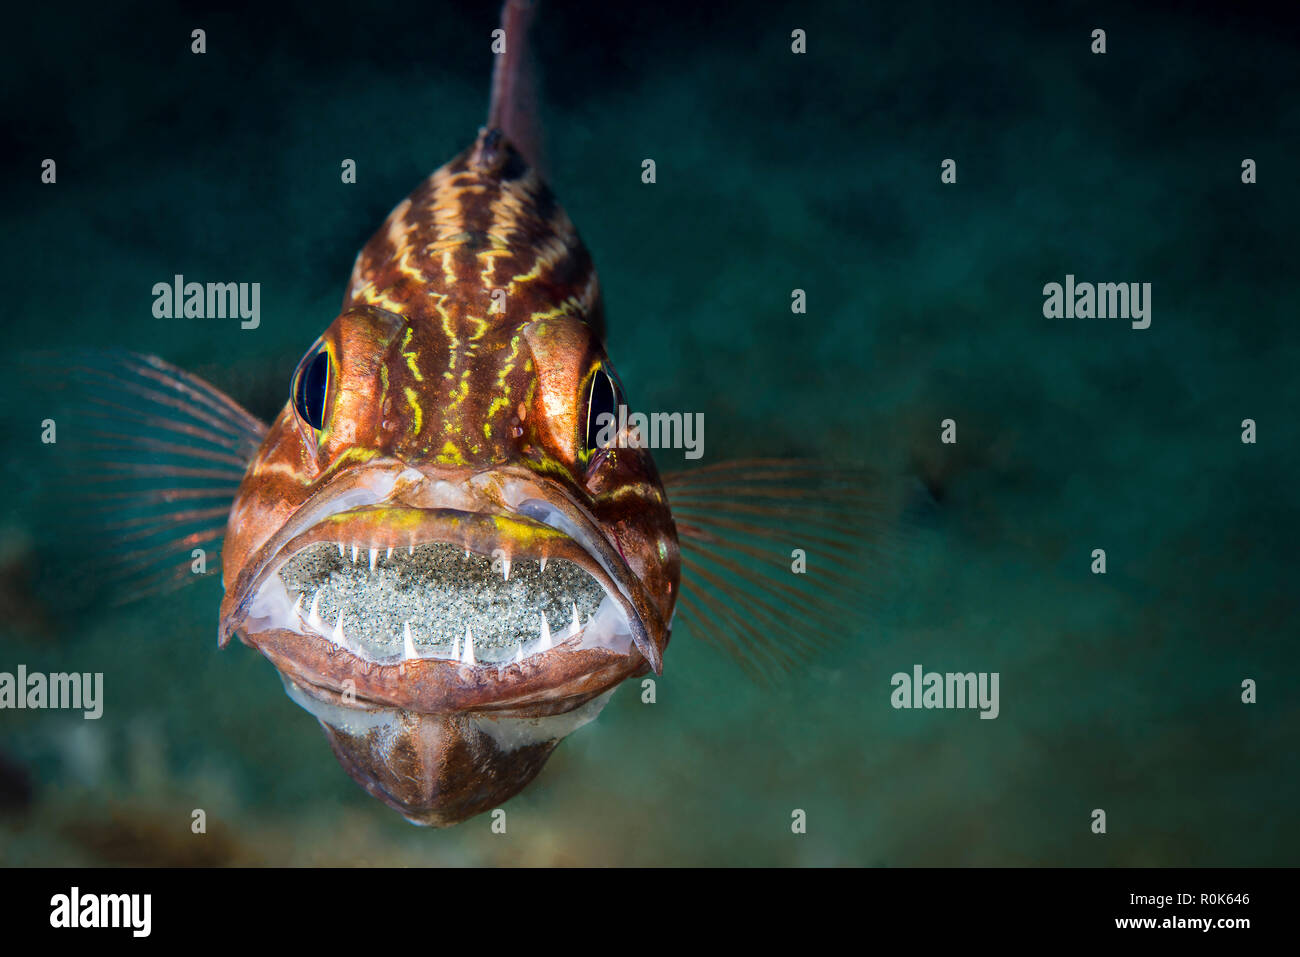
439	601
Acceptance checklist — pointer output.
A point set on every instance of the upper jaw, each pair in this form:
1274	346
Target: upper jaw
505	517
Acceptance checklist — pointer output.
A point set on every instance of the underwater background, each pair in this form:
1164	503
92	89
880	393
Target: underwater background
775	171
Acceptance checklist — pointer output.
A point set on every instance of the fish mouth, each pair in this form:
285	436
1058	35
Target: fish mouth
440	601
494	593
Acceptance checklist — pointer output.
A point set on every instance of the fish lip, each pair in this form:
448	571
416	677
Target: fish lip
485	497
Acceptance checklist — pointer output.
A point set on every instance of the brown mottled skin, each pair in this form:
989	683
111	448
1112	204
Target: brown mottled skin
433	372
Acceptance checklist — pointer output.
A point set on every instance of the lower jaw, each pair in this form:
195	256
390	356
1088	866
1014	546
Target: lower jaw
541	686
441	769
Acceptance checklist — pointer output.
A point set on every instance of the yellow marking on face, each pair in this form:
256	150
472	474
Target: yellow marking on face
524	278
411	356
399	226
450	455
411	398
449	331
356	454
446	244
404	266
448	222
402	257
462	390
374	297
569	307
283	468
554	249
498	250
352	455
393	517
509	364
643	490
503	400
480	326
499	402
506	211
410	364
549	465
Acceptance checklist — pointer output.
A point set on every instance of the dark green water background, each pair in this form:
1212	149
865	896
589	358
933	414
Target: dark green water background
775	171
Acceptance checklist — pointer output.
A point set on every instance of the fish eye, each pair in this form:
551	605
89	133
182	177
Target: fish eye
602	400
311	384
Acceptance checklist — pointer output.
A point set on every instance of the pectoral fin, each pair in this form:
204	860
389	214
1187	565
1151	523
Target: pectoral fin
150	458
781	559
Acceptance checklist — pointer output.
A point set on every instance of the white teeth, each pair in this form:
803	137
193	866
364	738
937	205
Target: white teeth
543	568
467	654
467	553
410	549
607	627
340	549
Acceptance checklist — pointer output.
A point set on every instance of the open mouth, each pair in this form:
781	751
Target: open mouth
443	586
439	600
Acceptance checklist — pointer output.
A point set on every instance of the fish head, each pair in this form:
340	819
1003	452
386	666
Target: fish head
432	545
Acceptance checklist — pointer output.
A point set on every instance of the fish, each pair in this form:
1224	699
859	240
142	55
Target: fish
447	566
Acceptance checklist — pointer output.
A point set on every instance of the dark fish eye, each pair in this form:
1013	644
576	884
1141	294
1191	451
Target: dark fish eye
310	388
602	400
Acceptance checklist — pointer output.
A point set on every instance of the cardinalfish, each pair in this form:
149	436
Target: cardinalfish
431	543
